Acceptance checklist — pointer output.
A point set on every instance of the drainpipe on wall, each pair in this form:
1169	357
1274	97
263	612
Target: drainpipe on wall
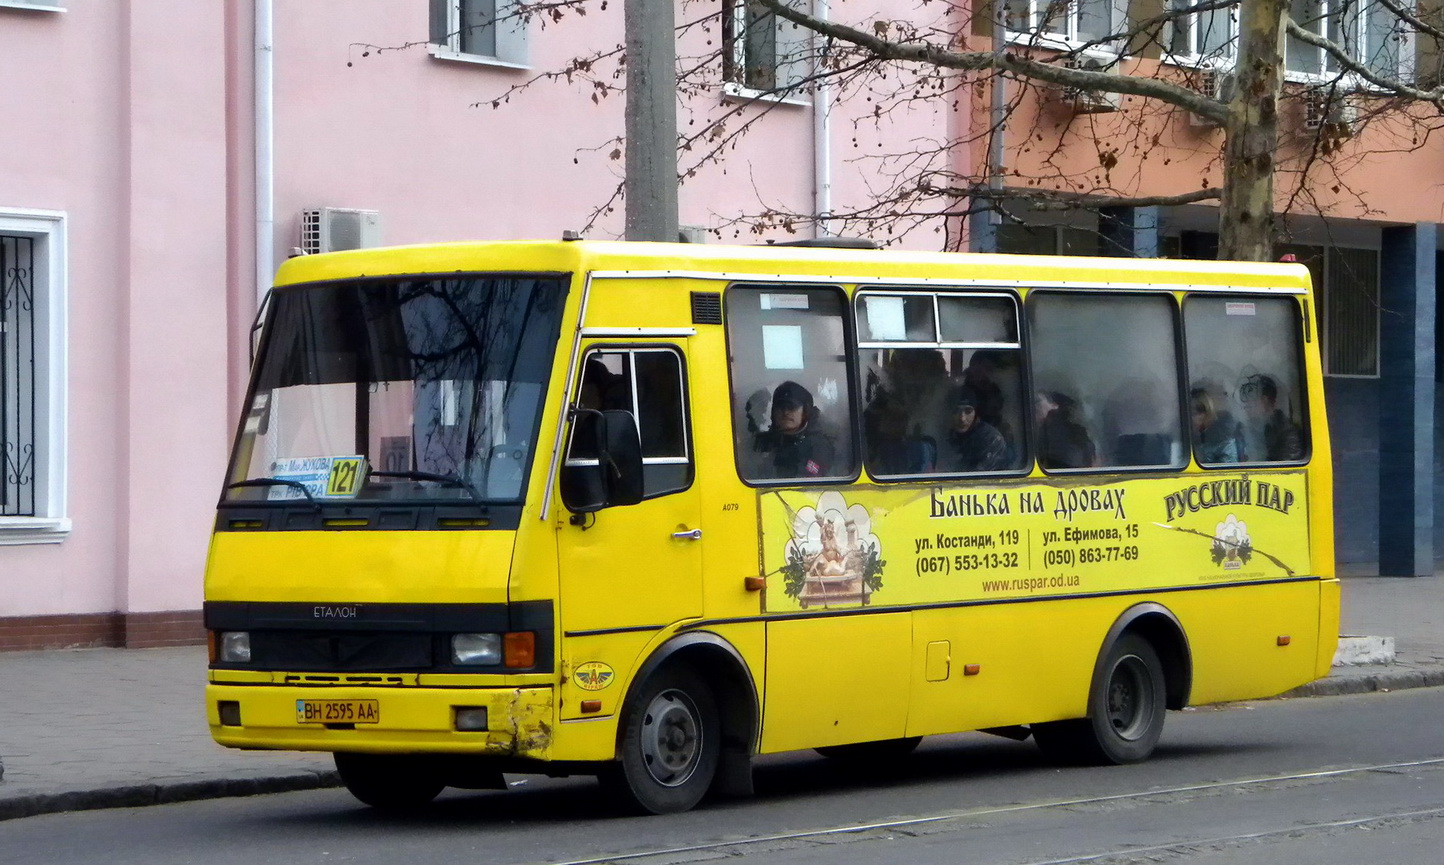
821	129
265	179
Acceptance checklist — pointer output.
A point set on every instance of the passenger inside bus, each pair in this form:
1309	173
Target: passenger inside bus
908	413
1135	419
982	374
1281	437
1216	435
793	446
974	445
1063	441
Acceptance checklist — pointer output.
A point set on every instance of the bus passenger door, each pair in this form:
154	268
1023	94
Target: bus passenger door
628	571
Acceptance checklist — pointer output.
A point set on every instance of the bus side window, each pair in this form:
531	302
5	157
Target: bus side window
791	397
1245	380
1105	376
649	383
942	383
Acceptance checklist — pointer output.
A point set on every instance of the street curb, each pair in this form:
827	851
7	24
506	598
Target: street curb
1335	686
140	795
166	793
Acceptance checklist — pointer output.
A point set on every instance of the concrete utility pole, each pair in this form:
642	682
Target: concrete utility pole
651	133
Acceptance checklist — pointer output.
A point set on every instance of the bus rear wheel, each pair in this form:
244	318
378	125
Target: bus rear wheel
389	782
1125	714
669	744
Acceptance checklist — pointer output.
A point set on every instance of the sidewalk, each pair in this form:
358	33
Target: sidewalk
105	728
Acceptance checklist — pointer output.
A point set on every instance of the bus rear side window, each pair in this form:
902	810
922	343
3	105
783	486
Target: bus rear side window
1245	393
791	400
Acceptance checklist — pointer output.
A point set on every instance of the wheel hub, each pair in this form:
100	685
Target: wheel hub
1130	698
671	738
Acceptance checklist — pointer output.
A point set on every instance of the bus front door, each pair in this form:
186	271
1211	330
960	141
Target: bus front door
628	572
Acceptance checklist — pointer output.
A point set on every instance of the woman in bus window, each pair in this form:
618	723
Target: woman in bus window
1215	433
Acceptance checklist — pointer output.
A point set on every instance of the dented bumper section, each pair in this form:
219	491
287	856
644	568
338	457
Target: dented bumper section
517	721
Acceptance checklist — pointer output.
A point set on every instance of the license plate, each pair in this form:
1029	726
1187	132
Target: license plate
338	711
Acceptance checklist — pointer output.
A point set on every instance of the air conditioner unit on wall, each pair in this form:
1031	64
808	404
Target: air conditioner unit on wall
1084	101
1216	84
331	229
1330	113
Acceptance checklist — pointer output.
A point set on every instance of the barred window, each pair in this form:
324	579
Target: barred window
1346	286
480	29
17	379
762	51
32	365
1368	31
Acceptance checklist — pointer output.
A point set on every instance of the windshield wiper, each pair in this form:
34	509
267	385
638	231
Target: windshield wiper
276	482
452	480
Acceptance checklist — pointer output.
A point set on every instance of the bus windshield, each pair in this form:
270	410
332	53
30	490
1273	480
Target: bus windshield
412	389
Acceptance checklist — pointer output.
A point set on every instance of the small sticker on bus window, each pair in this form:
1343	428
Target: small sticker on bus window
885	319
1239	307
782	346
784	301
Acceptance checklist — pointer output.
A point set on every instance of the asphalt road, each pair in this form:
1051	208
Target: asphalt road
1319	781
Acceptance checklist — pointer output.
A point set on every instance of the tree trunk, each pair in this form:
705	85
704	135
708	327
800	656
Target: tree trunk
1246	216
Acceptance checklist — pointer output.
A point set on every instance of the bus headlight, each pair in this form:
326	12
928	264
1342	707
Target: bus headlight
235	647
476	649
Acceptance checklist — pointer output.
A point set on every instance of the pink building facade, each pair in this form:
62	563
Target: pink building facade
158	157
161	157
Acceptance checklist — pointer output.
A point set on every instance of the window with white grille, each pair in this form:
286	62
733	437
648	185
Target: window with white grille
761	51
32	377
486	30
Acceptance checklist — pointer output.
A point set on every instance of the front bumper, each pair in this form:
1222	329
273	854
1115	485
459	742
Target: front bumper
519	720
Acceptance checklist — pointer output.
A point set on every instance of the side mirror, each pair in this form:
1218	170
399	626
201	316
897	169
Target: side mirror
614	477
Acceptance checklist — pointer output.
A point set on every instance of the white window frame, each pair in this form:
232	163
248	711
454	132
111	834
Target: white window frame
510	27
34	5
786	36
1360	54
1068	37
51	523
1222	59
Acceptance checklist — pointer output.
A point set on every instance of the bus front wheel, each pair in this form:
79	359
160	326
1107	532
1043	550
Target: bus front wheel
1125	712
388	782
669	744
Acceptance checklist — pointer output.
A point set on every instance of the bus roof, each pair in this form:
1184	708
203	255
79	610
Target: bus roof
726	262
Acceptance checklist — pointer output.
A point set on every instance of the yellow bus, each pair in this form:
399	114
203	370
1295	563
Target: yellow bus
645	511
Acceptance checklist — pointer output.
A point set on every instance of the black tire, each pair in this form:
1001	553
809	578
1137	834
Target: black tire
1125	713
669	744
389	782
872	752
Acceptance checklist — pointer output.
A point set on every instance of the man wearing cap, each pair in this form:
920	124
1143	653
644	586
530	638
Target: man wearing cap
974	444
793	446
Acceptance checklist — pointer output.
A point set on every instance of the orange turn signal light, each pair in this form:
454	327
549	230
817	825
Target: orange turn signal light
972	669
518	649
754	584
590	707
1285	639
